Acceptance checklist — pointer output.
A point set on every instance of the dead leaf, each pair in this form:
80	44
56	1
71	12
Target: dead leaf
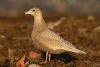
33	54
21	62
11	55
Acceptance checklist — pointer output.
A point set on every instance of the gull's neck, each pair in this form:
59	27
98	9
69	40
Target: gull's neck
39	23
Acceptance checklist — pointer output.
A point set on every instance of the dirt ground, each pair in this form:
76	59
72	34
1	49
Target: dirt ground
84	33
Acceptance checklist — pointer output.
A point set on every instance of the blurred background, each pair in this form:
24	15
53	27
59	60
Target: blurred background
16	8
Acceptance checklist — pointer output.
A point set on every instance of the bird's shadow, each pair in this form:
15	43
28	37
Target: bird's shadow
62	57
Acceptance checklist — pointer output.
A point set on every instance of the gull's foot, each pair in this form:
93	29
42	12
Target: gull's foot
45	62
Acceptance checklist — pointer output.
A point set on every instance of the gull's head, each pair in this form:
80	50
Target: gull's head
34	11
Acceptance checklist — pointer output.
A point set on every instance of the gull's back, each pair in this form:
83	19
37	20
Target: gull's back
53	43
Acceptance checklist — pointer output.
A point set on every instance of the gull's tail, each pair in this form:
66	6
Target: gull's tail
74	50
80	52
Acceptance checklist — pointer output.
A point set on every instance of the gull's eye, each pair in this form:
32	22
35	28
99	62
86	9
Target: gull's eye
33	10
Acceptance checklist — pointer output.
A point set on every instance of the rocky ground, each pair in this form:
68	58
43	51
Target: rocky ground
83	32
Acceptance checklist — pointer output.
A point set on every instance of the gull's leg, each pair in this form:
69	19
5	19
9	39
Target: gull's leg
46	59
49	57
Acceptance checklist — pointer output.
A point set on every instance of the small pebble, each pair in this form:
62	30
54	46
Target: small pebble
96	29
34	65
90	18
2	36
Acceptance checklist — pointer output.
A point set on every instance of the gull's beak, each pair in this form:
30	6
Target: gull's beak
28	12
